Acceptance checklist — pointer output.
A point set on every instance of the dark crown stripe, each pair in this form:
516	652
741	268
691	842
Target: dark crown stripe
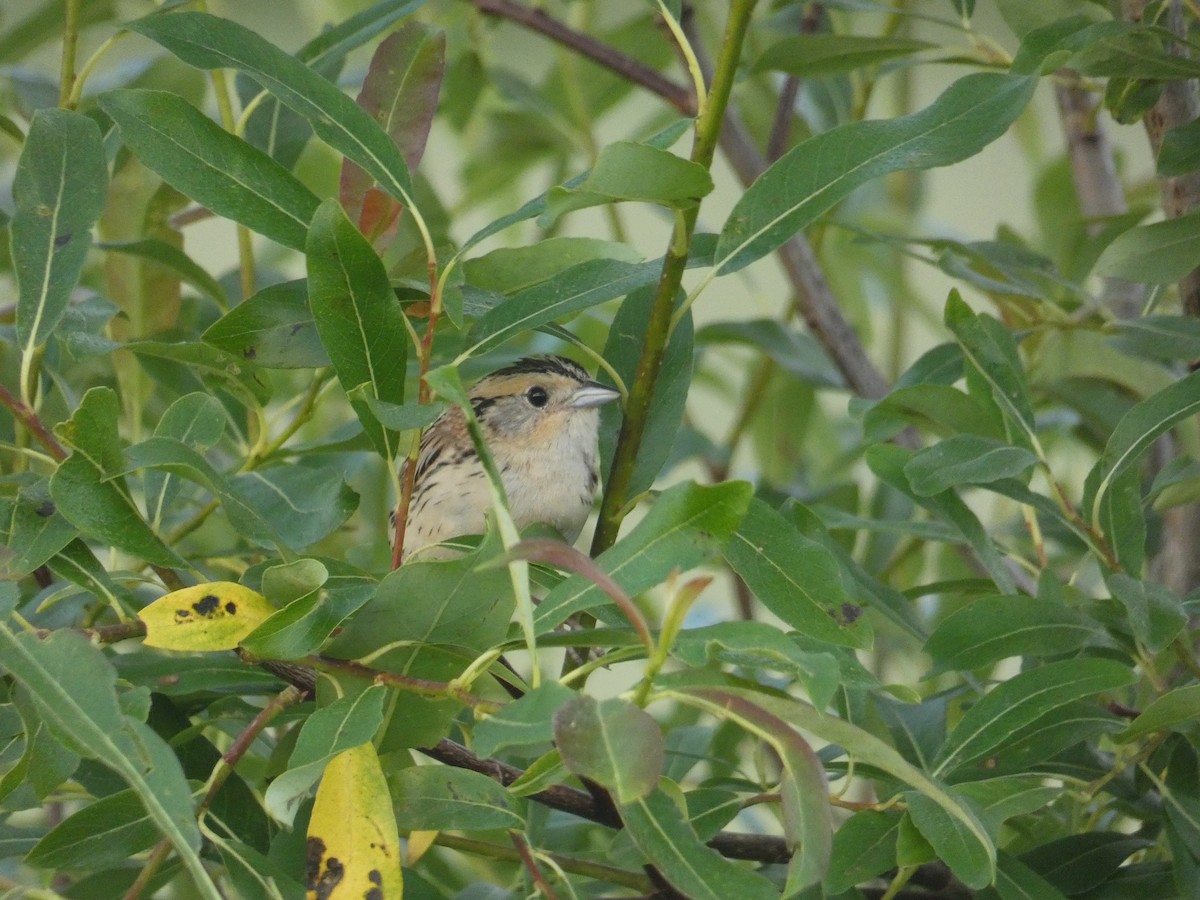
545	365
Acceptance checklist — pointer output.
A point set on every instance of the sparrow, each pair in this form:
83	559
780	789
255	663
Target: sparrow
540	418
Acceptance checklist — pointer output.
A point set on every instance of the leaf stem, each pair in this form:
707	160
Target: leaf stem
230	123
641	391
66	85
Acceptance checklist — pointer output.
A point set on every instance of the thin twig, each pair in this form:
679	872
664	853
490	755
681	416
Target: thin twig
33	423
597	51
531	866
641	389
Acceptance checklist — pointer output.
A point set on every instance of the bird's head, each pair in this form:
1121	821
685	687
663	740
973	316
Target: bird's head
539	400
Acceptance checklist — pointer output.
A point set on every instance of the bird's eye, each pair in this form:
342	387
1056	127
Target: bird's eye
537	396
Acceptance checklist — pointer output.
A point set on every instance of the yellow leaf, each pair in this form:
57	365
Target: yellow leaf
213	616
418	843
353	845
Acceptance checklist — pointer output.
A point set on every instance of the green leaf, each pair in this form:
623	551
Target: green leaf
964	459
508	270
804	792
442	798
887	461
59	191
1016	881
1127	50
687	524
993	628
196	420
796	579
819	55
823	170
989	724
87	494
1080	862
527	721
1159	253
32	529
198	157
1180	706
303	504
570	291
1179	153
1156	613
1159	337
309	611
102	834
357	315
863	846
623	351
660	831
757	646
273	327
1135	432
625	170
972	860
612	742
938	408
863	747
208	42
794	351
345	723
462	611
990	349
999	799
74	688
200	366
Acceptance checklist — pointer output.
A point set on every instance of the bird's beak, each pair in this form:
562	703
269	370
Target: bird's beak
592	393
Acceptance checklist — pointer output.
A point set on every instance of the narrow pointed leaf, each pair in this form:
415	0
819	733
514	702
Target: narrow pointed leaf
571	291
796	578
357	315
660	831
353	844
1022	700
200	158
209	42
59	192
74	687
1136	431
400	91
823	170
345	723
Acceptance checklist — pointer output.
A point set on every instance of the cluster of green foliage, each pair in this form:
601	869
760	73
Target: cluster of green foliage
956	659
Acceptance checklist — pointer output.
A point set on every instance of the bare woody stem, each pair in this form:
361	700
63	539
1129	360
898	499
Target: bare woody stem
641	389
627	67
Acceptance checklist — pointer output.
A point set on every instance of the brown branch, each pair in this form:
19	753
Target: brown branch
531	866
785	109
597	51
813	297
734	845
1094	171
33	423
